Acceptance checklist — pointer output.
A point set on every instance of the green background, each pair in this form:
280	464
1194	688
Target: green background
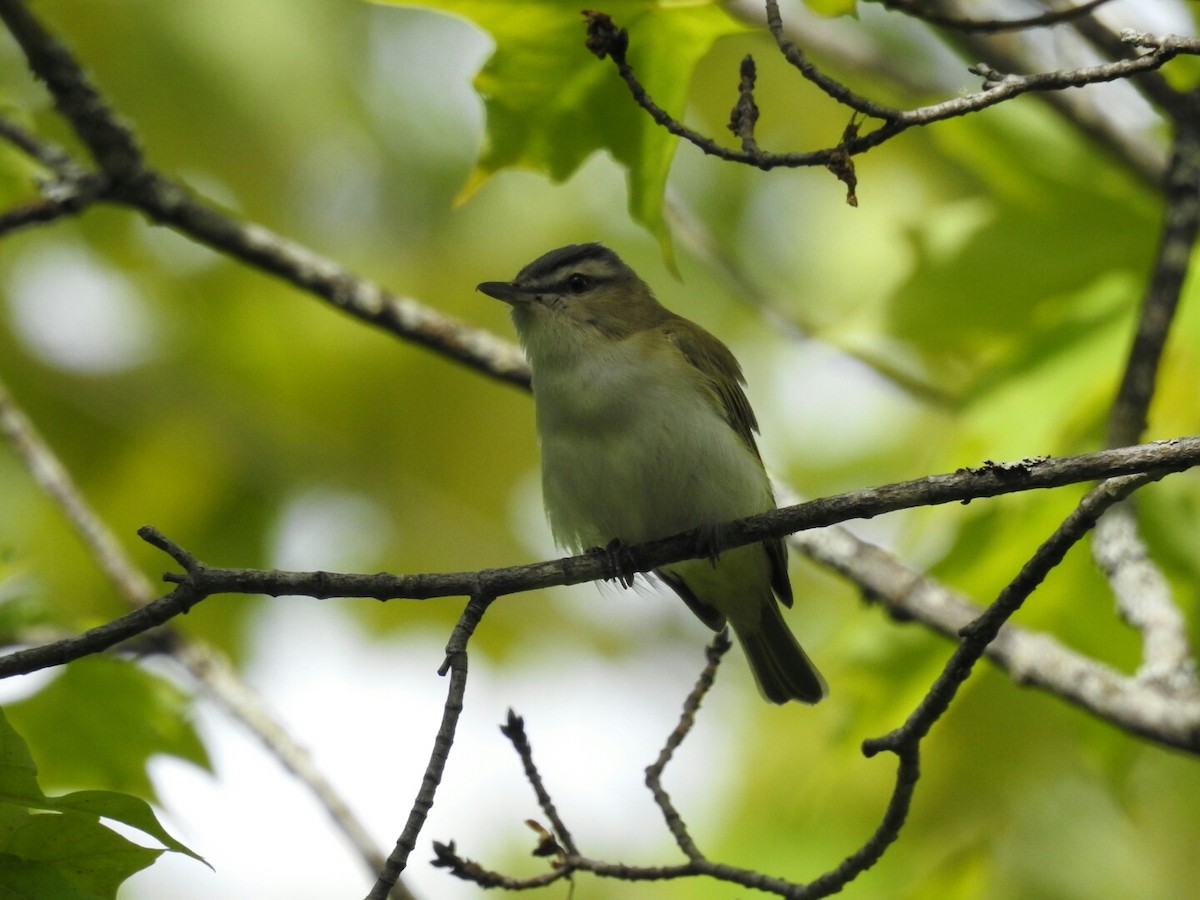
977	304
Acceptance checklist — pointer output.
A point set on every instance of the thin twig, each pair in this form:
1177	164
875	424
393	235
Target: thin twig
1127	419
990	26
128	180
212	672
1143	594
69	191
908	773
102	637
1087	111
1163	712
1144	600
714	652
514	730
605	38
43	211
110	141
52	157
981	632
1153	86
744	116
56	482
832	87
905	741
446	856
456	664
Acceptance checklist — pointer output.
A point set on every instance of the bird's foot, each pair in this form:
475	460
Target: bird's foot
708	545
622	567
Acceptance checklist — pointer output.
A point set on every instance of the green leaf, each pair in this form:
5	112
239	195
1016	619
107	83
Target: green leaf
551	104
22	879
132	811
120	716
18	774
90	857
66	852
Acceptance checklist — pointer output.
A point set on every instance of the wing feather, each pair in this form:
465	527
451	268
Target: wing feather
722	375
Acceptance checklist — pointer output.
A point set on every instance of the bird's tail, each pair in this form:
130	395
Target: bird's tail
781	668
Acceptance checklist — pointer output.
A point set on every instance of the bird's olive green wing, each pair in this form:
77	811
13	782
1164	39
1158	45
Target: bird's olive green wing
723	377
721	372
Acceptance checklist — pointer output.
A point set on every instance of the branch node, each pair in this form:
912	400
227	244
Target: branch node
445	856
1139	38
156	538
744	115
992	78
872	747
514	729
841	163
605	37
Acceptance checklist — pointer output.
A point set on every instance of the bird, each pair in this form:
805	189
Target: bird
645	431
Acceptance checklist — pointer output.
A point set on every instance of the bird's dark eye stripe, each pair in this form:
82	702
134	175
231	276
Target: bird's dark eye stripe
569	284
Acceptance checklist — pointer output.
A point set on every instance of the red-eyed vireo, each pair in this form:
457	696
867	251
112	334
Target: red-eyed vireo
645	432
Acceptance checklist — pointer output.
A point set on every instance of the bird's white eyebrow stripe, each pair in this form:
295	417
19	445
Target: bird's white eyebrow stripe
594	264
541	270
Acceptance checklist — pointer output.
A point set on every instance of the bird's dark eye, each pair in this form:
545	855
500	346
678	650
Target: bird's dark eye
578	283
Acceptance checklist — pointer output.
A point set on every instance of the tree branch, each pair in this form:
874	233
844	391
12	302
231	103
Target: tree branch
102	637
904	741
606	38
713	655
211	670
129	181
1154	86
1144	600
1166	713
1127	419
70	190
514	730
982	631
991	480
1084	110
51	157
110	141
1143	594
456	664
125	178
989	26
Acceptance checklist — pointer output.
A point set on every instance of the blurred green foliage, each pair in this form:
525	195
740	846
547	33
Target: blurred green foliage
978	304
549	107
120	712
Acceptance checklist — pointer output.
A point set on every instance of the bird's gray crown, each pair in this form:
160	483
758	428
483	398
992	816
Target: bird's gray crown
550	269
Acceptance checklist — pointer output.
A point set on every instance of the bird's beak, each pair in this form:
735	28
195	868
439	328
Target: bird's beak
501	290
